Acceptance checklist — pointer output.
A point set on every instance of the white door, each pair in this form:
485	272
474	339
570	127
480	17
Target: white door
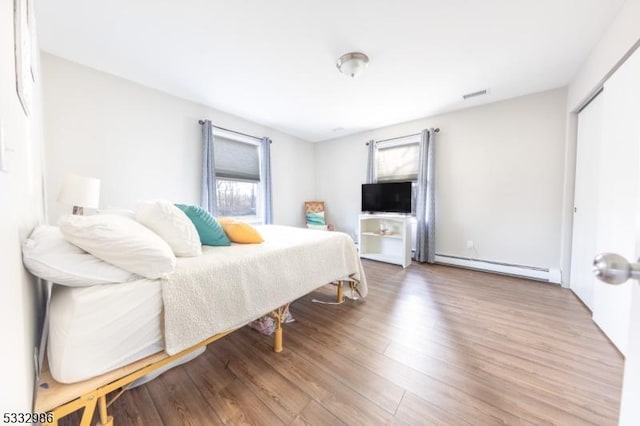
630	406
617	308
583	246
618	192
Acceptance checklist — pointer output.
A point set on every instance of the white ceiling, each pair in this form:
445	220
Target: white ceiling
273	61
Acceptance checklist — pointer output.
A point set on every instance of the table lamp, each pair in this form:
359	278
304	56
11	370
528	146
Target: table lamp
80	192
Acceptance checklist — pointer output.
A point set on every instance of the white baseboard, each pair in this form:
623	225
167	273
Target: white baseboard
540	274
555	276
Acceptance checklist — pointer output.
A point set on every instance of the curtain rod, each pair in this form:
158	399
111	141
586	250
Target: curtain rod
201	122
436	130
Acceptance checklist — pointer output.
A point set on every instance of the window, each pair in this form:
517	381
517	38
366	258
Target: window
236	198
397	161
238	189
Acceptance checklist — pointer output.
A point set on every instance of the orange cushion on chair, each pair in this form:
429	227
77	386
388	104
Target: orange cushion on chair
239	231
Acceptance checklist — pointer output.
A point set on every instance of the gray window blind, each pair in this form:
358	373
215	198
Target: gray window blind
397	160
236	160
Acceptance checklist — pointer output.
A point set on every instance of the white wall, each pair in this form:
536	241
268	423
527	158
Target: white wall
145	144
21	208
499	174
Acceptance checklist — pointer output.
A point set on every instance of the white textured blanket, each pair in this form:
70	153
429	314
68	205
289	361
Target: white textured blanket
227	287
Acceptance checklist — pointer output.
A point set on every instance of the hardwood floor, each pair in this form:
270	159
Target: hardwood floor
430	345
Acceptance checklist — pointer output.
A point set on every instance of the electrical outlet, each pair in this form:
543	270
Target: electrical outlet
470	244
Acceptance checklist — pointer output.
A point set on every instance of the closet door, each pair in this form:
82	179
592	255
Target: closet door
585	219
618	194
618	307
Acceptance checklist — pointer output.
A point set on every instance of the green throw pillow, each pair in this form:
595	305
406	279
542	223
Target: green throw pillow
209	230
315	218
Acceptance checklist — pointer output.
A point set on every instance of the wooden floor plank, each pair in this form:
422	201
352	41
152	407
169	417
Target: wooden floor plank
210	372
178	400
137	409
577	388
526	401
282	396
445	343
415	411
455	401
236	404
382	392
324	387
316	415
430	345
232	400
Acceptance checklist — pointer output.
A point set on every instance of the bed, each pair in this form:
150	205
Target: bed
104	337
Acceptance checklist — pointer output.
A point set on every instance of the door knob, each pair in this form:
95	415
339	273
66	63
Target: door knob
614	269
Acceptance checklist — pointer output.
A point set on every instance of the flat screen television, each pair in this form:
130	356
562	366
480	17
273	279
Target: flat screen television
388	197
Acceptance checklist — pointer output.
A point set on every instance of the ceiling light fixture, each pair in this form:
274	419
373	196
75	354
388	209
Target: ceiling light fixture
352	64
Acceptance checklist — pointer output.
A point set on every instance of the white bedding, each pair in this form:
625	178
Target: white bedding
93	330
227	287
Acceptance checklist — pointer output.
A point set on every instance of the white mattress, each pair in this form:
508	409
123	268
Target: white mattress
93	330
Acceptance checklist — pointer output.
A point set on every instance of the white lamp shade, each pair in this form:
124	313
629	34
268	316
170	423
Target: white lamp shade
80	191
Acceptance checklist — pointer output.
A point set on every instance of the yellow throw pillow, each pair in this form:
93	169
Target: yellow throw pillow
239	231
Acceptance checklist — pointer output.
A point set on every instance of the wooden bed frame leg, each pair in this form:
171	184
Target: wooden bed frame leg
277	336
87	415
340	297
105	419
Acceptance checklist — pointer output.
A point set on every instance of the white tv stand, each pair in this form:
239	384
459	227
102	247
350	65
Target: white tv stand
393	246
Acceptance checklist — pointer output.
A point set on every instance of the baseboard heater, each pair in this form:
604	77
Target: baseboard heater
540	274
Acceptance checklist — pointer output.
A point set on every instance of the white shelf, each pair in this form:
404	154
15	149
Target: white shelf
392	247
388	258
377	234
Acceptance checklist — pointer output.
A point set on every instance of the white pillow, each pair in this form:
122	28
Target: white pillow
122	242
47	255
172	225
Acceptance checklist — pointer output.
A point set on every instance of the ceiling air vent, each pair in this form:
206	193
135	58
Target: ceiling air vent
474	94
